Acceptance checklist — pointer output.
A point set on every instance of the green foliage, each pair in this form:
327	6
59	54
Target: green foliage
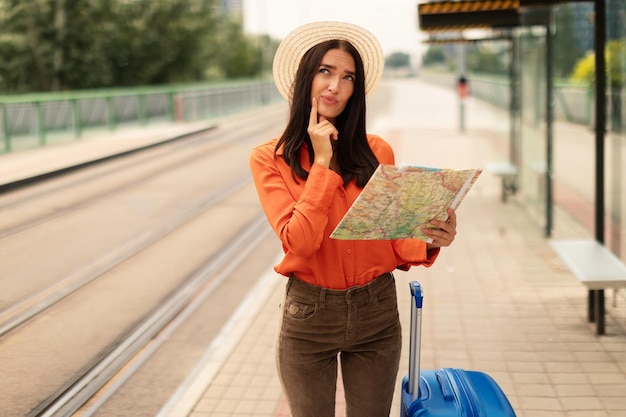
267	49
585	69
567	52
154	42
232	54
55	45
478	59
434	55
398	60
485	61
615	55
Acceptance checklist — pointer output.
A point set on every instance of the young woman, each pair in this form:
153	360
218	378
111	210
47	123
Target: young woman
340	303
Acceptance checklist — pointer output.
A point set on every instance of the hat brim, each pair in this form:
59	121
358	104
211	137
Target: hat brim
298	42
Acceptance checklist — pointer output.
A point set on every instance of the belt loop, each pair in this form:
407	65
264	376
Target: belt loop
322	297
289	282
371	295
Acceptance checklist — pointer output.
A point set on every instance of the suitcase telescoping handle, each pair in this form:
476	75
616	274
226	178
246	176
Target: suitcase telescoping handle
416	338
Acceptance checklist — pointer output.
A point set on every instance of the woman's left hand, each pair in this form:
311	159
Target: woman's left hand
444	233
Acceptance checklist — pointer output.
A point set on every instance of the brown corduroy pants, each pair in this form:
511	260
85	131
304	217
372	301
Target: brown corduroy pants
358	328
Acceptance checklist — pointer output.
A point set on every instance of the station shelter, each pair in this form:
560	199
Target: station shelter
536	33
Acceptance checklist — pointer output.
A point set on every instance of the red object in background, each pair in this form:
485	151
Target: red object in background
462	87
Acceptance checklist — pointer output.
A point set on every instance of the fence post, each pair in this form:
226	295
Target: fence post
178	110
588	107
7	131
41	123
78	128
111	110
172	106
143	114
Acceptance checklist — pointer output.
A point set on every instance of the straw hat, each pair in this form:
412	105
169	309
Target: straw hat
297	43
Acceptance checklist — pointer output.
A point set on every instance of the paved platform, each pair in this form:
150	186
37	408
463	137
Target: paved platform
498	300
24	165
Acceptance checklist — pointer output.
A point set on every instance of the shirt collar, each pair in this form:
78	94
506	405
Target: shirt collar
281	151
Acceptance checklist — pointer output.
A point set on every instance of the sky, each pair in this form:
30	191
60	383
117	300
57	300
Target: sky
394	22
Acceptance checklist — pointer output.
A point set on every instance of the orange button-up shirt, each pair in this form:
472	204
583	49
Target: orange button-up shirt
304	213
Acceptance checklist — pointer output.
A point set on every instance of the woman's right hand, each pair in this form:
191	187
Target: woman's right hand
322	132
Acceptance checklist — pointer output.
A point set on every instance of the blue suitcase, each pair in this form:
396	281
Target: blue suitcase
446	392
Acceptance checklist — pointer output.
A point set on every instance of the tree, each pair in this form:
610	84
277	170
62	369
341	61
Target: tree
398	60
434	55
615	52
585	71
267	49
150	42
233	54
50	45
485	60
23	46
567	51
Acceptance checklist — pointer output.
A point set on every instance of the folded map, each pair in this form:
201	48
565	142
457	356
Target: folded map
398	202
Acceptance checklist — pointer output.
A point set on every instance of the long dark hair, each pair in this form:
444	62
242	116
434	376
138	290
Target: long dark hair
355	157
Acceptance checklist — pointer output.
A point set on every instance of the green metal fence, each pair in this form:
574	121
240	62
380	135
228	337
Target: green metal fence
35	119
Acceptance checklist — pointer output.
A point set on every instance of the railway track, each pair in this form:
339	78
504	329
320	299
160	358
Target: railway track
108	268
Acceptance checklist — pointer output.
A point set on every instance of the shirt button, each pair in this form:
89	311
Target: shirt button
349	251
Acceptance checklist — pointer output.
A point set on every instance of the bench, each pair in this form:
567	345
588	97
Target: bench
595	266
508	173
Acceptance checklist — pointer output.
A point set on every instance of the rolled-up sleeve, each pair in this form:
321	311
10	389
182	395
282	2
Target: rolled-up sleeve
413	252
304	213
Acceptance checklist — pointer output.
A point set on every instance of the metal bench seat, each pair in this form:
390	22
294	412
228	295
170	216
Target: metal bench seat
595	266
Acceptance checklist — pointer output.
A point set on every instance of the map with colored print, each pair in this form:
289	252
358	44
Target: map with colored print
398	202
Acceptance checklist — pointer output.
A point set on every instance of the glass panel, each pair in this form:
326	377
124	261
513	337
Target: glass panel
615	157
574	126
532	158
